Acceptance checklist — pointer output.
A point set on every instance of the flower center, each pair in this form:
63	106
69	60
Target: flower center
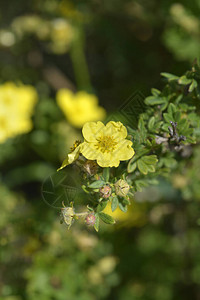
106	143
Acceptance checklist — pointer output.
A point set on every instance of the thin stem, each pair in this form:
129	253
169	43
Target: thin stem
79	61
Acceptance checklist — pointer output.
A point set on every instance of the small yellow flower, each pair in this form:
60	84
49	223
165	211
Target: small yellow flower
79	108
106	143
72	155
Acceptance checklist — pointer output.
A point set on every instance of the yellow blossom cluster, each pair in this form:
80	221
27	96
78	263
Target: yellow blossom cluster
58	32
107	144
16	107
79	108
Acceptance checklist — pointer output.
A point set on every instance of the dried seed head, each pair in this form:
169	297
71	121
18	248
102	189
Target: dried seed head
91	167
121	188
67	215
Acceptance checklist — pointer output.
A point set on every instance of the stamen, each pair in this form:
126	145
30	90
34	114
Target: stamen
106	143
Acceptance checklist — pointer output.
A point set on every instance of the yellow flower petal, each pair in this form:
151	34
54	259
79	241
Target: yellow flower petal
124	150
117	130
92	130
89	151
105	160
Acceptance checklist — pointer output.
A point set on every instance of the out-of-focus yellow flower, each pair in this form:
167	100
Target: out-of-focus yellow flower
106	143
61	35
16	106
118	215
135	216
79	108
58	32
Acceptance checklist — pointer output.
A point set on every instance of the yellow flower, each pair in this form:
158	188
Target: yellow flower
16	106
61	35
79	108
72	155
106	143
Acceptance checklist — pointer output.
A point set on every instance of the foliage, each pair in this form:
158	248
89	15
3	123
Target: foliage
107	50
164	138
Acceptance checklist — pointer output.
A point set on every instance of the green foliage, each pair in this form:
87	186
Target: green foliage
152	250
106	218
164	133
96	184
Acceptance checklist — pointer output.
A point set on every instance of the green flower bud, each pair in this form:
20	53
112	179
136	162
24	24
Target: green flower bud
121	188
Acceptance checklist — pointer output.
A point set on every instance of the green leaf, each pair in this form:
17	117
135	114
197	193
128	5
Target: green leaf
184	80
89	208
150	159
193	85
169	76
165	127
171	109
183	126
155	100
106	174
155	92
177	116
123	207
158	125
131	166
131	131
101	206
182	122
142	166
85	189
96	184
151	169
126	202
149	144
96	225
163	106
183	106
178	99
140	184
187	132
151	123
168	117
106	218
141	125
114	203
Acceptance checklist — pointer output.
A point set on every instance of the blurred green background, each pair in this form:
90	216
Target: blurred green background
110	49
